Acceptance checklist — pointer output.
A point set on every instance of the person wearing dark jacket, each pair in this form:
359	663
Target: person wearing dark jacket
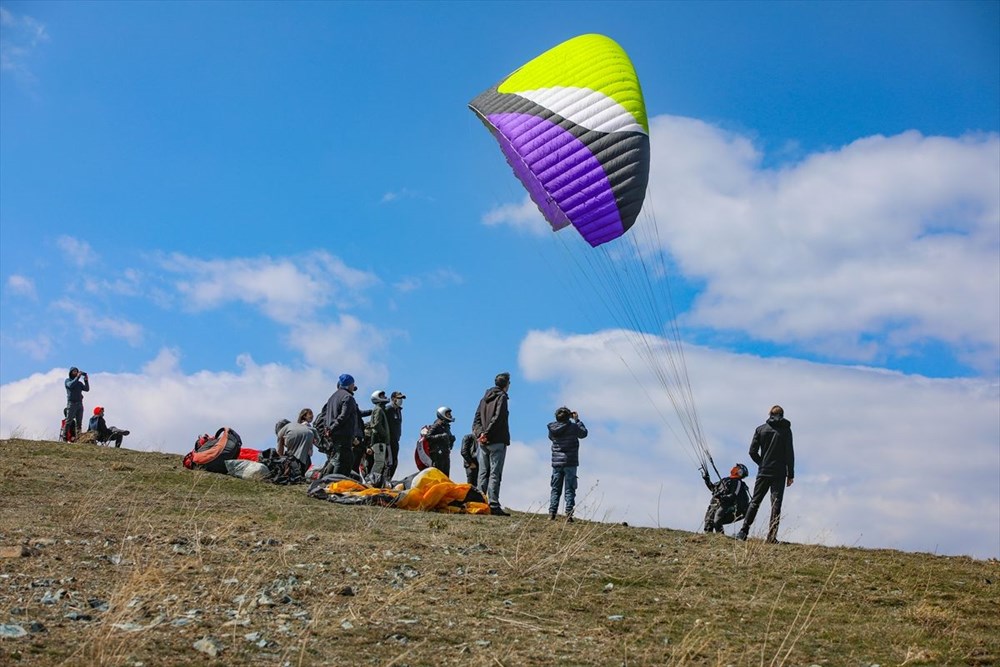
343	426
470	459
565	433
441	440
103	432
394	413
491	427
730	498
77	383
771	449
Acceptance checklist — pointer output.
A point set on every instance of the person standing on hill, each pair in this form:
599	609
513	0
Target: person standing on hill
394	414
565	433
343	424
77	383
771	449
491	426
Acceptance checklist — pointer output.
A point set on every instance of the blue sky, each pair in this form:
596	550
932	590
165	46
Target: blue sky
217	208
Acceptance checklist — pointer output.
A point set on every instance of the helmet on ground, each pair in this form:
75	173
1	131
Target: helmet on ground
444	412
739	470
379	397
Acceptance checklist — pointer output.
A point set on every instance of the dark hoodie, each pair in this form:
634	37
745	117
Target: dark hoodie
491	417
771	449
565	437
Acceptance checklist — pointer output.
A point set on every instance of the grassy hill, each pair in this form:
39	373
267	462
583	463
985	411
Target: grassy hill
116	557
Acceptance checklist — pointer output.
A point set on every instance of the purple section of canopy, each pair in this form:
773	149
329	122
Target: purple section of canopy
564	178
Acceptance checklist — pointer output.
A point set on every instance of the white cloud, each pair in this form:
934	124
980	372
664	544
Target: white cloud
437	279
286	290
882	459
19	37
404	193
896	237
92	326
21	286
78	252
875	248
523	216
345	346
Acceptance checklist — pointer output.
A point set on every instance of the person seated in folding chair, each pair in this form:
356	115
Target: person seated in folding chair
105	434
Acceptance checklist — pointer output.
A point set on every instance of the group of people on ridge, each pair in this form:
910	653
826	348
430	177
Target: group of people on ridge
76	384
371	449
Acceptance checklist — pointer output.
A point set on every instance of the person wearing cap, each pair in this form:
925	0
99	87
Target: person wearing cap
730	498
343	426
77	383
491	426
394	414
104	433
771	449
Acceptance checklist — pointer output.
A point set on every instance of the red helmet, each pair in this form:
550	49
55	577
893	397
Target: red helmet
98	410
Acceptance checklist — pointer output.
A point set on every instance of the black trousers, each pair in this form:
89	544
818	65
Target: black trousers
762	486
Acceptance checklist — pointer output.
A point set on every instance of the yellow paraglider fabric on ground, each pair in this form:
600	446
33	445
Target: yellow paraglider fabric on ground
430	491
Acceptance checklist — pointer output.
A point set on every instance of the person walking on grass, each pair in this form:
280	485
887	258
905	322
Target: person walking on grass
491	426
771	449
565	433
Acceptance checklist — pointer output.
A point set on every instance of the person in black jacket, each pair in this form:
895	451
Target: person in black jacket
441	440
470	459
76	383
343	426
104	433
565	433
772	451
492	429
394	413
730	498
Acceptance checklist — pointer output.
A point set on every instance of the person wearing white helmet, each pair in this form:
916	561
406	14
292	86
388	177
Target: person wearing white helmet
730	498
441	440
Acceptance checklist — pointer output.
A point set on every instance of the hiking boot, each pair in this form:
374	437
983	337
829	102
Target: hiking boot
569	519
496	510
742	536
552	516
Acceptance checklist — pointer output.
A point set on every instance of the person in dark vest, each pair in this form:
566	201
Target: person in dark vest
565	433
104	433
77	383
394	413
730	498
441	440
771	449
343	426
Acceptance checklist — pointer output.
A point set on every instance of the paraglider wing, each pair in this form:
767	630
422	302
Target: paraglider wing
572	124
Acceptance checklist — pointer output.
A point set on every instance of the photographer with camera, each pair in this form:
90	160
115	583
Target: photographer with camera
565	433
77	383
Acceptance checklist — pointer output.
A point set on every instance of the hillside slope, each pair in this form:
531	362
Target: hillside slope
116	557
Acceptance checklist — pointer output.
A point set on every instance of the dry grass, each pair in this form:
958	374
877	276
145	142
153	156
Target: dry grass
152	558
